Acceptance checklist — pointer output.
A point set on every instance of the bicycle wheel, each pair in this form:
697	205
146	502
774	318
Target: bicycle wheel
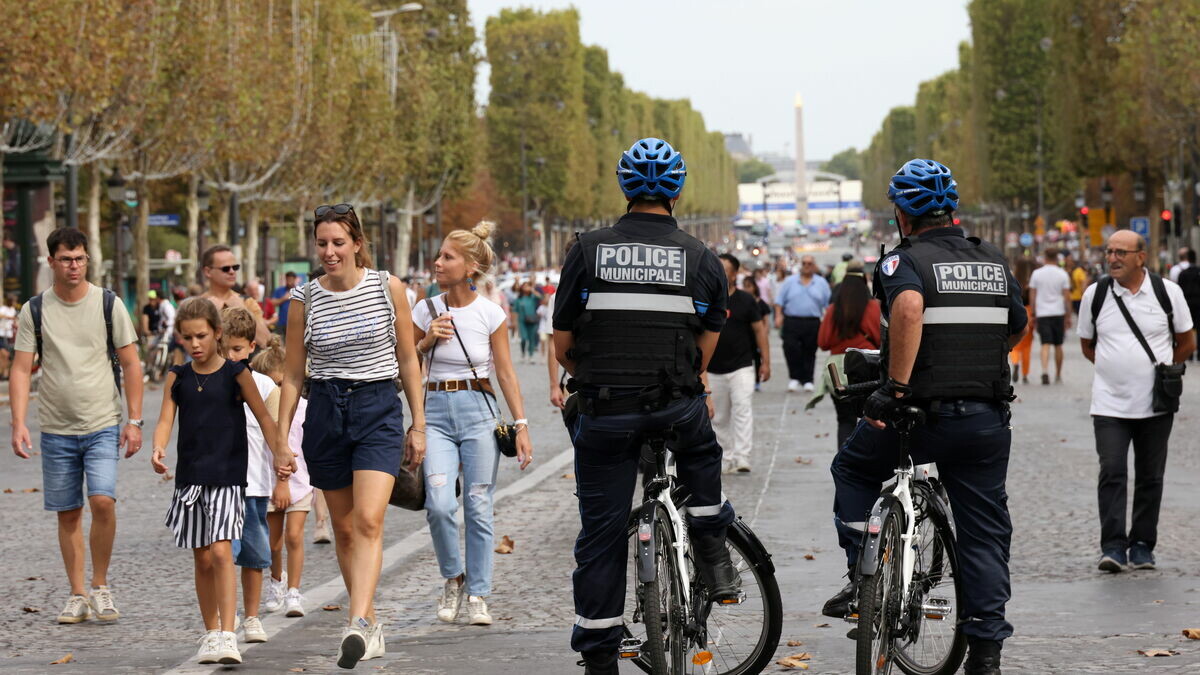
742	638
878	604
931	642
660	604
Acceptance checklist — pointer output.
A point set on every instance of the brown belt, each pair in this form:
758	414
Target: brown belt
482	384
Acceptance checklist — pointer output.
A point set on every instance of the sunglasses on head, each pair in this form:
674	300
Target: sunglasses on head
340	209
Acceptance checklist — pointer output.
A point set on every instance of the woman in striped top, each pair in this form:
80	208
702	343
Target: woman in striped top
353	323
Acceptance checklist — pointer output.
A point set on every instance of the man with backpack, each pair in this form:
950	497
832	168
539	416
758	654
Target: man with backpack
1135	327
85	341
1189	281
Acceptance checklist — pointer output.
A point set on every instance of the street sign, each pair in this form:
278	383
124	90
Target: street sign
163	220
1026	239
1140	225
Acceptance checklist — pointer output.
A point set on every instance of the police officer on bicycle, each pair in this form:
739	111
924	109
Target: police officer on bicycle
639	308
952	311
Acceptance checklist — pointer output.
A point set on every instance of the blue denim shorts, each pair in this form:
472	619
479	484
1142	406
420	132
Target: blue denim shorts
253	550
352	426
67	459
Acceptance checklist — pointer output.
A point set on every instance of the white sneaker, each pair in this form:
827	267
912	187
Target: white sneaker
793	385
354	643
320	534
228	651
293	602
743	466
76	610
451	600
273	594
101	603
210	647
376	647
808	386
253	629
478	611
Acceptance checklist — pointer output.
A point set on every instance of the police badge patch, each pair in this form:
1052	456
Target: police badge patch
890	264
633	263
971	277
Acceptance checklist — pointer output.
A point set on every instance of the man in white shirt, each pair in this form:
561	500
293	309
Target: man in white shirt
1050	296
1182	265
1123	395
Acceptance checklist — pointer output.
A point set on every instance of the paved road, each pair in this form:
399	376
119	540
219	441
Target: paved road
1069	617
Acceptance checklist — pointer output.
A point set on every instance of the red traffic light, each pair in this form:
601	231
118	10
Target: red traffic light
1083	210
1166	215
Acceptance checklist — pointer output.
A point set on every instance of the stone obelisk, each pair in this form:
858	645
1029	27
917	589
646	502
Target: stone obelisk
801	174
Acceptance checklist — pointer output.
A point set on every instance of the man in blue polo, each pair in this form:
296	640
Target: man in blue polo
798	309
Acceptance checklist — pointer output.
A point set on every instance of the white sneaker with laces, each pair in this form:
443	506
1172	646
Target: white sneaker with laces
102	606
793	385
273	594
253	629
76	610
375	643
294	603
228	652
478	611
451	600
210	647
354	643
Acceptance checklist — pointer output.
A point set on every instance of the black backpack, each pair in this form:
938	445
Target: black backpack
110	299
1160	291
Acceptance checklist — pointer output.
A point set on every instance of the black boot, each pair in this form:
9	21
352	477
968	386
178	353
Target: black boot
715	567
838	607
600	662
983	657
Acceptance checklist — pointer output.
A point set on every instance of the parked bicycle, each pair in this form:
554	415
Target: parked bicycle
907	573
672	627
157	359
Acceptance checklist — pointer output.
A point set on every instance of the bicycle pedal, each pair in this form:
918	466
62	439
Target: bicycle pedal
936	609
631	648
852	618
741	597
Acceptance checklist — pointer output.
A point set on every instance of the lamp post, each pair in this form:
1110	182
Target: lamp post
1106	197
127	197
203	197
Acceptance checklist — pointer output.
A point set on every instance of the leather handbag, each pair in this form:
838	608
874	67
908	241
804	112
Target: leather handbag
408	492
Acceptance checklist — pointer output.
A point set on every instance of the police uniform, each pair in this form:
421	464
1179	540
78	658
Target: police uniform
960	377
636	296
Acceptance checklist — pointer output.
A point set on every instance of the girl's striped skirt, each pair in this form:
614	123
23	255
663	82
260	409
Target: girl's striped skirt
203	514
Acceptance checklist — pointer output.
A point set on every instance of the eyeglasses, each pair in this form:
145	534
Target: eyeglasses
229	268
77	261
1118	253
340	209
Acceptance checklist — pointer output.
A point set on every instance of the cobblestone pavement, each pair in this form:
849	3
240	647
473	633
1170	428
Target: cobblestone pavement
1069	617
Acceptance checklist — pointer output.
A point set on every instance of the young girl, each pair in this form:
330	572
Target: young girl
290	504
208	506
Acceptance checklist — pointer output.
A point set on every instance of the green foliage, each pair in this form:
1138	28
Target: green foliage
847	163
893	145
752	169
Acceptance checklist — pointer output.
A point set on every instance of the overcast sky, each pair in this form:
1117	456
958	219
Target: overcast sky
742	63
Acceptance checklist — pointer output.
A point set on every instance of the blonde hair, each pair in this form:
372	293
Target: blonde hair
476	246
237	322
270	359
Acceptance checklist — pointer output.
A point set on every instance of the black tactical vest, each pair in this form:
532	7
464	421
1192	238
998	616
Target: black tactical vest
639	324
964	338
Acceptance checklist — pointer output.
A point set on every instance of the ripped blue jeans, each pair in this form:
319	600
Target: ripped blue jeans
460	435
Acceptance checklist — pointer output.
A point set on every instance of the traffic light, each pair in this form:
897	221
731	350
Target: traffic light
1166	215
1083	211
755	251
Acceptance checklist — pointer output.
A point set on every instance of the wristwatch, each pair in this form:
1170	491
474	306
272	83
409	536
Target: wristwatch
137	423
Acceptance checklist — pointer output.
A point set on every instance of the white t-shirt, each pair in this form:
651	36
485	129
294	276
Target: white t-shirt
166	311
8	322
1050	281
1178	269
260	465
1124	382
546	316
475	324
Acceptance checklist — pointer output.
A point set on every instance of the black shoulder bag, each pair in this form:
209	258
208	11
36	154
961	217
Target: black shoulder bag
1168	377
506	434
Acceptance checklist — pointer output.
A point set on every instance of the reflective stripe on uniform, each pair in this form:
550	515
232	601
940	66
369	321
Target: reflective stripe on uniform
644	302
599	623
986	315
702	511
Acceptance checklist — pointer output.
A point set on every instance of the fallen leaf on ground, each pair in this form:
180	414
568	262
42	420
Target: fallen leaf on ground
795	661
568	475
8	491
809	556
506	618
822	625
31	490
795	643
803	460
331	608
66	659
1191	633
1158	652
31	610
33	578
295	670
506	545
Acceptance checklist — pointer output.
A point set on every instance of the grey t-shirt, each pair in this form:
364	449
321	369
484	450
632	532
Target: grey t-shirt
77	394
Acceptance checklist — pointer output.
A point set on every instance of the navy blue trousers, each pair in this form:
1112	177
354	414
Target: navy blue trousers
969	442
607	451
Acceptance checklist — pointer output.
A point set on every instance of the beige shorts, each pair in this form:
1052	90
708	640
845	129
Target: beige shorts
304	505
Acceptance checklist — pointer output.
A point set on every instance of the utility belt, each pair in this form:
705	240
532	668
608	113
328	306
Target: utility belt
603	401
958	407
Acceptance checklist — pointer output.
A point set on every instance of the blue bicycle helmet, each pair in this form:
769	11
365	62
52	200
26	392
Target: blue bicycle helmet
651	167
923	187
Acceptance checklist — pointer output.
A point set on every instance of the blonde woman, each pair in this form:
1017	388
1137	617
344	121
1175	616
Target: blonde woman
461	420
355	330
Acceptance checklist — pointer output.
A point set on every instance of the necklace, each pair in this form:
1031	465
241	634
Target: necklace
199	384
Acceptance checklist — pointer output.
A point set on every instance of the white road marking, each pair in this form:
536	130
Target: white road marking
774	454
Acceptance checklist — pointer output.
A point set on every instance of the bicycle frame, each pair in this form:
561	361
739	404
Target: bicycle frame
661	489
901	496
